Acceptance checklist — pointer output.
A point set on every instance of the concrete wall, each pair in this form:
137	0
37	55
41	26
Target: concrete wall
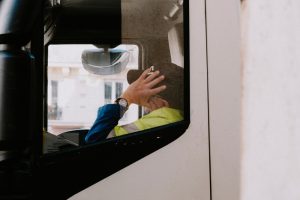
271	100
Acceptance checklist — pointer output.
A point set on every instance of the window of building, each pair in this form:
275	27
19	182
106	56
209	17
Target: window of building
119	89
107	92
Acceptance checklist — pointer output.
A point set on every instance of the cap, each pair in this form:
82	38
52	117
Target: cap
174	80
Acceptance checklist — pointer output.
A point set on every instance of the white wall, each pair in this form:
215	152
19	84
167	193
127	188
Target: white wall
271	100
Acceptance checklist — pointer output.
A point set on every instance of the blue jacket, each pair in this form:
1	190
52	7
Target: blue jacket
109	115
107	118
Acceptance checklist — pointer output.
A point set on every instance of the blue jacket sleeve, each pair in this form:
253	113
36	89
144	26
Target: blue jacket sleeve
107	118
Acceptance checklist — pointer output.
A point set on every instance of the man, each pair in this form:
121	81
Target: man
143	90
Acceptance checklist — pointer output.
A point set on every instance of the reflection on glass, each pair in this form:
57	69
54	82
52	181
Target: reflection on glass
161	95
74	95
119	89
107	92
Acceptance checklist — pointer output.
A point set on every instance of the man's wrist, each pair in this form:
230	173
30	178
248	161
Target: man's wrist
127	98
124	105
122	102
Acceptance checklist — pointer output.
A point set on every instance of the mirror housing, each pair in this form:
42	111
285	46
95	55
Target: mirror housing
104	61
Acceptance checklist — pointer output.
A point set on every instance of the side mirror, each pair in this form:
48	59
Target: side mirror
105	61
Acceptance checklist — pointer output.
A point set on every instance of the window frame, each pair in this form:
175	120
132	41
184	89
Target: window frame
124	150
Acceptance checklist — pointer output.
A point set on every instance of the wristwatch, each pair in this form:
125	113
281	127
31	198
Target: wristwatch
122	102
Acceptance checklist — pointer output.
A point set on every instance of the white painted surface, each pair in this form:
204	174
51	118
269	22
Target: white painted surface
223	34
179	171
271	100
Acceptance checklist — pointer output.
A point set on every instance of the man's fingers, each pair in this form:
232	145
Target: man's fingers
153	105
144	74
157	90
156	102
151	76
150	105
161	103
156	81
166	104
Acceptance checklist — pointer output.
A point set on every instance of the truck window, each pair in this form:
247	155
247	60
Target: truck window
83	78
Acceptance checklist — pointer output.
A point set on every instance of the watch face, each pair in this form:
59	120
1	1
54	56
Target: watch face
123	103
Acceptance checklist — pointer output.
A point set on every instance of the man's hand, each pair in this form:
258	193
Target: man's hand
155	103
143	88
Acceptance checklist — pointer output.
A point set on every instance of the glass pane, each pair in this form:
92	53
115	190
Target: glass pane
74	94
84	78
159	32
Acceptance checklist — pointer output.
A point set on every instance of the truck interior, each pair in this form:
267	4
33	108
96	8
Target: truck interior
60	61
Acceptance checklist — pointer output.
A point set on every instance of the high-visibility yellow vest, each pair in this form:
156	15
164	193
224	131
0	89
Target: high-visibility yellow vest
156	118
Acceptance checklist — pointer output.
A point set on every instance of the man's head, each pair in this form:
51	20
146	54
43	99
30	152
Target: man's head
173	80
